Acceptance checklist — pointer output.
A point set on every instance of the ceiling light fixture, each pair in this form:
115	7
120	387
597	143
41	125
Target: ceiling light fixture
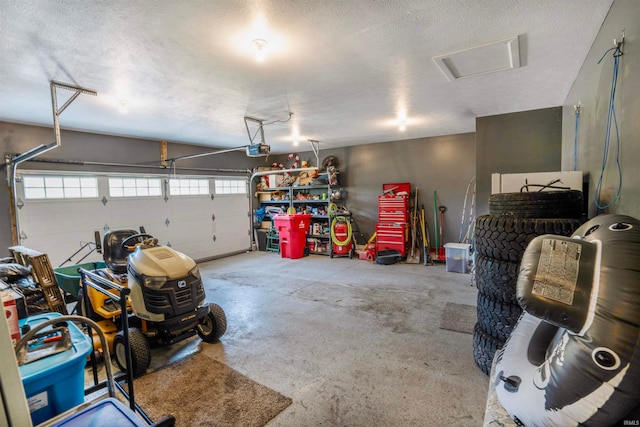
402	125
260	46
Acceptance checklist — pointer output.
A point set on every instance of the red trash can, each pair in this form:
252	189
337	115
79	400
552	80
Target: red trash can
293	234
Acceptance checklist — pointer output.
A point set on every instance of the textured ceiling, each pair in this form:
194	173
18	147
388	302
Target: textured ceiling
345	69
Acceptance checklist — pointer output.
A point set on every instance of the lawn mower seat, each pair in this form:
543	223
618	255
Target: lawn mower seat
115	257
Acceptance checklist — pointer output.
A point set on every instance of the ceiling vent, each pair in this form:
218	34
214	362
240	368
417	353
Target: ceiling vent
489	58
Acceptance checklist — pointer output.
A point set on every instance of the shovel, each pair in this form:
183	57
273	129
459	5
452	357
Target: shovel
425	239
414	255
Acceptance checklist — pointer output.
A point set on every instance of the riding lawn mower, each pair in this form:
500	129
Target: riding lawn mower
165	303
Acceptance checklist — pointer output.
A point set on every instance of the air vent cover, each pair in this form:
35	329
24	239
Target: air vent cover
489	58
162	254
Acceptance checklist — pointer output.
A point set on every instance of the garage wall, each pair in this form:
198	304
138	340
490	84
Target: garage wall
528	141
81	146
444	163
591	90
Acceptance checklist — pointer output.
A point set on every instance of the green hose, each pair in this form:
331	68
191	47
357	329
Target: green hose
334	239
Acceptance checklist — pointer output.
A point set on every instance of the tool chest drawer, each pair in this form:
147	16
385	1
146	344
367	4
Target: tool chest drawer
392	236
393	209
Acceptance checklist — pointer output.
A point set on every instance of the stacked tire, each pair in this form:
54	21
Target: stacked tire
500	241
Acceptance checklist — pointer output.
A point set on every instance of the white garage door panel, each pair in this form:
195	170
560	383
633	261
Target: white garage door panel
189	227
187	207
231	214
40	217
132	213
57	227
207	217
60	245
59	230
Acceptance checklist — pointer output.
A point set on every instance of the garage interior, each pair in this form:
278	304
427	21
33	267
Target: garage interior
440	95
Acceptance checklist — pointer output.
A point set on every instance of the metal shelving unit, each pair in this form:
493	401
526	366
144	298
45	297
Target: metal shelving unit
316	205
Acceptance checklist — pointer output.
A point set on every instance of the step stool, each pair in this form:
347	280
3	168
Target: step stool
273	241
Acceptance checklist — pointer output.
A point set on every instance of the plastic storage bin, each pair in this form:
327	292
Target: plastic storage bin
69	279
457	257
55	383
293	234
106	413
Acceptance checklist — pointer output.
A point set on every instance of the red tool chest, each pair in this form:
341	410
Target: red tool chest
391	235
393	209
392	229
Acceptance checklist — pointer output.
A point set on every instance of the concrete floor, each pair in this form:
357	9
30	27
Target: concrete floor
353	343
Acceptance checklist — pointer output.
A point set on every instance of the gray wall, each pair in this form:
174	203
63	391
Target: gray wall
528	141
445	164
592	90
80	146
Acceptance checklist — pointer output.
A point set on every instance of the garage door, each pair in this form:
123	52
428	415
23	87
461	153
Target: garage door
203	217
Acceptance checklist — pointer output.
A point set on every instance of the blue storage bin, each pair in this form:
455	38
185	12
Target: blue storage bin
109	412
55	383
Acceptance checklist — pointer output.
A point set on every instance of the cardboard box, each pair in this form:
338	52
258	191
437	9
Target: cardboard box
274	180
513	182
9	304
20	303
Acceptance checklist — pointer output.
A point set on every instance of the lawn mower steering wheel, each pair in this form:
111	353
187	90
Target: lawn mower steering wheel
140	236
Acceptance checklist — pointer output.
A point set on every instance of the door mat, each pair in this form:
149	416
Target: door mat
200	391
459	318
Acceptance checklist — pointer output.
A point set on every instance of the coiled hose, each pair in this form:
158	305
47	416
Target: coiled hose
334	239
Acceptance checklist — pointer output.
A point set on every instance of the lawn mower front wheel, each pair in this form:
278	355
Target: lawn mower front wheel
213	325
140	351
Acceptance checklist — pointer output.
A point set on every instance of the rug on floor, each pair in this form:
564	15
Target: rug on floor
459	318
200	391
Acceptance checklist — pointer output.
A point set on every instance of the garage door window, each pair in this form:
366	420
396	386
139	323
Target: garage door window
230	186
188	187
59	187
135	187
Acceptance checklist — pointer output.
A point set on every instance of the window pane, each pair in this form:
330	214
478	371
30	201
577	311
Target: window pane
115	182
154	183
129	191
155	192
89	192
143	191
34	193
129	182
88	182
33	181
72	192
71	181
116	192
54	193
53	181
230	186
188	186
